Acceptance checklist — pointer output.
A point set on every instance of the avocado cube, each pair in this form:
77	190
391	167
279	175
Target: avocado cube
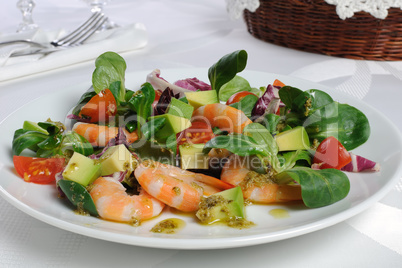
82	169
29	125
179	108
293	139
192	157
116	158
201	98
224	206
173	125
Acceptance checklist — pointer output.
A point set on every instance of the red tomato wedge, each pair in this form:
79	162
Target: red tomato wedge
238	96
331	154
199	132
278	83
100	107
38	170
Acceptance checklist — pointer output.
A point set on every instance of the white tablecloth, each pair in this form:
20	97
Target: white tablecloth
190	33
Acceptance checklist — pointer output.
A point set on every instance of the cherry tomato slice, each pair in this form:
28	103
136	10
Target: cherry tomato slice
158	94
38	170
331	154
100	107
238	96
199	132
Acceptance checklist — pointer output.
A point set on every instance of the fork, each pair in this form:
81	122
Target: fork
83	32
75	38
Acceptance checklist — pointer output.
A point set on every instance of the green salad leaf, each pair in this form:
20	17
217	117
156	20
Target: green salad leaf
110	68
246	104
236	143
346	123
319	187
141	102
149	128
323	117
78	196
226	68
234	85
56	142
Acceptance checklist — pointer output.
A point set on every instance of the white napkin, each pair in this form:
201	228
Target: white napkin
120	39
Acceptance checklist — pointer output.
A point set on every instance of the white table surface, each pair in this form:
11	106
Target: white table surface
190	33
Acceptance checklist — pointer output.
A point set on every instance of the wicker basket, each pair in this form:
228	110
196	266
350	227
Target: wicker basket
314	26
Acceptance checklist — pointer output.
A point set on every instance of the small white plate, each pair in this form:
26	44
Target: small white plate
41	202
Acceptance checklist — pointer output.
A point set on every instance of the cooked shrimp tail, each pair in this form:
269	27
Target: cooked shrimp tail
99	135
225	117
175	187
114	203
259	188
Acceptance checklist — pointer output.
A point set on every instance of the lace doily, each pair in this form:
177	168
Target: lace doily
235	8
344	8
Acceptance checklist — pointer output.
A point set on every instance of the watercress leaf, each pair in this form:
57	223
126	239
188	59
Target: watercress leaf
78	196
51	142
346	123
171	143
149	128
26	139
110	67
77	143
270	122
319	187
226	68
309	101
319	98
236	143
141	102
265	141
289	159
52	127
218	131
131	124
128	95
115	88
246	104
235	85
288	94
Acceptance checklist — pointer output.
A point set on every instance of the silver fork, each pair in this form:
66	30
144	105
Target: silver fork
75	38
83	32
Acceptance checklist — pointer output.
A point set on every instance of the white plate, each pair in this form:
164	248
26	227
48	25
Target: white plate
41	202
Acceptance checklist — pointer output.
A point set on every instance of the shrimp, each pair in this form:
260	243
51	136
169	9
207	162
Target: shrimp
99	135
259	188
175	187
223	116
113	203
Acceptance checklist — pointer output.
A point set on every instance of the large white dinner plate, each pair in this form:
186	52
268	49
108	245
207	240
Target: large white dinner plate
41	202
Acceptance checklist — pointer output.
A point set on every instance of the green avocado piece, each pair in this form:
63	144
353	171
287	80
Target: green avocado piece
82	169
116	158
293	139
173	125
192	157
29	125
226	206
180	108
201	98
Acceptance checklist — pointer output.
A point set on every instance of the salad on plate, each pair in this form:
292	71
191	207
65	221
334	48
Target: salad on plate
206	149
